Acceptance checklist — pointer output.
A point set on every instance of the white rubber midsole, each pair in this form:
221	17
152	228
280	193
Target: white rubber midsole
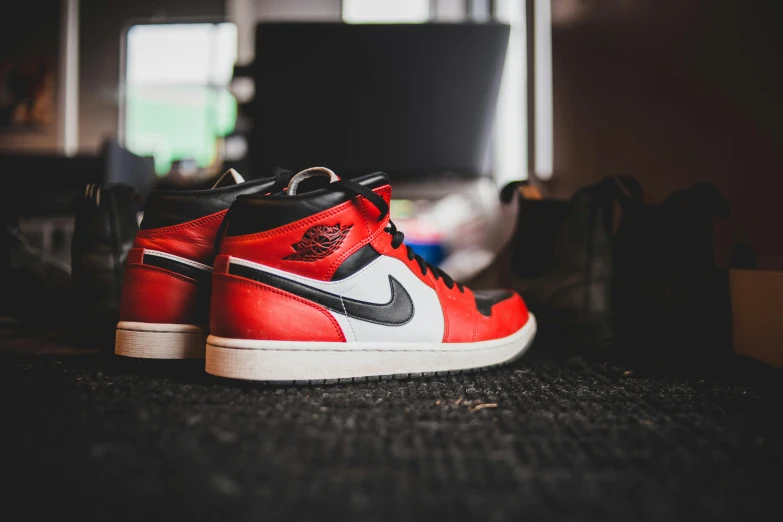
160	341
295	360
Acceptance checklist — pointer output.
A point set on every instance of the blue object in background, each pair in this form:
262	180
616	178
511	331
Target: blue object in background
432	252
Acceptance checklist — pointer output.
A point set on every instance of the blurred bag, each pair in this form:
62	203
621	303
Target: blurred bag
671	297
607	270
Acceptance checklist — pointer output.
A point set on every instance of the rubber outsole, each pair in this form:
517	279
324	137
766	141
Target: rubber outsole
375	378
281	362
160	341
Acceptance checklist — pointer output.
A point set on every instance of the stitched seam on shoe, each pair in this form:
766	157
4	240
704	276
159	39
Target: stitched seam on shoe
155	232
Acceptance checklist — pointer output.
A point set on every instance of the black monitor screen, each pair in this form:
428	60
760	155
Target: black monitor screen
406	99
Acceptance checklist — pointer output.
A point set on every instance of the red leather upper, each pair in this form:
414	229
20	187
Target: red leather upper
463	323
242	308
247	309
270	248
156	295
194	240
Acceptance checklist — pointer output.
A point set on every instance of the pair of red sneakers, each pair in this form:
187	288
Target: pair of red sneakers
303	278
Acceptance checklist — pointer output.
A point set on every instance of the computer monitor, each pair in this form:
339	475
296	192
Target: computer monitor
411	100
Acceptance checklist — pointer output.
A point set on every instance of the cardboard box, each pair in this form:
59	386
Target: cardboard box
757	314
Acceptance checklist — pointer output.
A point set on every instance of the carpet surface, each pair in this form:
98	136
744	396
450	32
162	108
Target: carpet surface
547	438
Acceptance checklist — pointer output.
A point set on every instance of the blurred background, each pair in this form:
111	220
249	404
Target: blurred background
453	98
561	104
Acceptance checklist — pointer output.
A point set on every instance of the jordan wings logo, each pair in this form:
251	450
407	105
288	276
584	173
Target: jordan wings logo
318	242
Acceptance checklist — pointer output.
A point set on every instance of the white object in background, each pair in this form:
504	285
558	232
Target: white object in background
478	10
511	121
542	33
243	89
386	11
181	54
68	105
449	10
235	148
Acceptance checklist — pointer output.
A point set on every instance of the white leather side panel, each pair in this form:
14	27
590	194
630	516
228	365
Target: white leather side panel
371	284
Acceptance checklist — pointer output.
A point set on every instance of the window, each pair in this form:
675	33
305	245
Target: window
386	11
177	106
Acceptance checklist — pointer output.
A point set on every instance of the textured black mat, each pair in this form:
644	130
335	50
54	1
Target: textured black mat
105	438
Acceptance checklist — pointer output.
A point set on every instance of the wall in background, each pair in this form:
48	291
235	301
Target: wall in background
674	92
29	61
101	25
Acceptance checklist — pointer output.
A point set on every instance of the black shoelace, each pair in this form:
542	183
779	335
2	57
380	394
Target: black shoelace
397	236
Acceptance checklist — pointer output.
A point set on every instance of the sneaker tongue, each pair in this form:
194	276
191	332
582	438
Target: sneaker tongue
311	179
231	177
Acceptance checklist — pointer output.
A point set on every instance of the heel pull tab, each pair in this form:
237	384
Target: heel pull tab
312	172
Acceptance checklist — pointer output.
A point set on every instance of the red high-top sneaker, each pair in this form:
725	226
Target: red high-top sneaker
164	311
318	286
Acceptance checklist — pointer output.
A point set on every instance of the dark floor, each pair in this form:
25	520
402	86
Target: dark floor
105	438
